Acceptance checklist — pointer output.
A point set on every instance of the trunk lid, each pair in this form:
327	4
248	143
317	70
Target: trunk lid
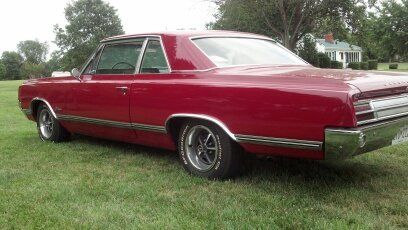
370	83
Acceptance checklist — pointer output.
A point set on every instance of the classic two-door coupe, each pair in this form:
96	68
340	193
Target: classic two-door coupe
212	95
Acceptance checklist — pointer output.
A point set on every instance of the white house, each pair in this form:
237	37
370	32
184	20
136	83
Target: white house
339	51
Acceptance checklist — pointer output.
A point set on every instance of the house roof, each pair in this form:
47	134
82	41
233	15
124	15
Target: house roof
338	45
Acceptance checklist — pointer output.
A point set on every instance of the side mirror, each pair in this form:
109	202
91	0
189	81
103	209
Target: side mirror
75	73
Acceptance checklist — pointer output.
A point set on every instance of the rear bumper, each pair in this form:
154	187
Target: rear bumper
345	143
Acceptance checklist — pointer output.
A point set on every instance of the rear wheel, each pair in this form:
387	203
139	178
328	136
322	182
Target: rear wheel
49	129
206	150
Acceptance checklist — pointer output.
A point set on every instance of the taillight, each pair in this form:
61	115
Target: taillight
364	112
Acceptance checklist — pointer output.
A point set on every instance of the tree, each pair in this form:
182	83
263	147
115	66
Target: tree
307	50
54	64
390	26
12	62
33	51
2	71
89	21
30	70
286	20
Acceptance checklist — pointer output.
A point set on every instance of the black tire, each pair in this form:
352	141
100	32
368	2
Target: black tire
55	132
223	157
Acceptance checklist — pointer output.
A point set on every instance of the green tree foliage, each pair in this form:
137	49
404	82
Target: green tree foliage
12	62
307	50
354	65
33	51
54	64
372	64
2	71
286	20
89	21
324	60
389	37
30	70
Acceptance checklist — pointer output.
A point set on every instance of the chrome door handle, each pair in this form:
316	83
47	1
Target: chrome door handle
122	89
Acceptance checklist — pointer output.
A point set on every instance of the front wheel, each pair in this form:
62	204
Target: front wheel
207	151
49	129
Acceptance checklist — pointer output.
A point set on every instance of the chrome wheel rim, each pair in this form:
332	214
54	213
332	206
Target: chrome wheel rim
45	123
201	148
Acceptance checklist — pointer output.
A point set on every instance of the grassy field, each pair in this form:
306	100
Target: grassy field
90	183
402	67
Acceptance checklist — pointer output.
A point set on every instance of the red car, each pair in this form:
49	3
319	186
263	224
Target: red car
213	95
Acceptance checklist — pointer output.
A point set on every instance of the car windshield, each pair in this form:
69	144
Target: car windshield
231	51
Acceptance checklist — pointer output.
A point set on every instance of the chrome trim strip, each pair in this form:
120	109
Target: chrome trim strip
203	117
141	55
365	112
280	142
116	124
385	104
144	53
44	101
382	118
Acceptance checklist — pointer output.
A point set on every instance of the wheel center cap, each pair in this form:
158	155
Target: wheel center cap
202	148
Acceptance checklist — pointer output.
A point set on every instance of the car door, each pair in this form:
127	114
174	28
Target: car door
148	91
100	106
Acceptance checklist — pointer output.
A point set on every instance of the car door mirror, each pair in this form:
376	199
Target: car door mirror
76	74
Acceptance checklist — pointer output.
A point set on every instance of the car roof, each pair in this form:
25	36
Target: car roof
187	33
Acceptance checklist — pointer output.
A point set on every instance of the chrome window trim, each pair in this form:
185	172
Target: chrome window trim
147	37
100	46
141	55
164	52
104	45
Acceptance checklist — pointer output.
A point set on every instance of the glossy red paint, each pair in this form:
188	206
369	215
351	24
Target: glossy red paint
291	102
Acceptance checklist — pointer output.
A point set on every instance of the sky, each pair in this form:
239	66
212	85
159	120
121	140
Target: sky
29	19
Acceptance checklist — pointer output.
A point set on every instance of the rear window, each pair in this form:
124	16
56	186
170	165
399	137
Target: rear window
230	51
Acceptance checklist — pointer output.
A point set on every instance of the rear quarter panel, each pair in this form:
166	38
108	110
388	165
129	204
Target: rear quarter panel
253	108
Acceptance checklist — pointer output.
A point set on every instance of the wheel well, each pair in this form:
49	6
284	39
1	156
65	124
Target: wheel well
34	107
173	126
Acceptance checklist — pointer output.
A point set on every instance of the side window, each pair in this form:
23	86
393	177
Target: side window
90	69
154	60
119	58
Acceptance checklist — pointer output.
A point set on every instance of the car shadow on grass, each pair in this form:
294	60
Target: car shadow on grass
344	172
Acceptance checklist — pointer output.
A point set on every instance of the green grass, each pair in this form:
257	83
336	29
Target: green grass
402	67
91	183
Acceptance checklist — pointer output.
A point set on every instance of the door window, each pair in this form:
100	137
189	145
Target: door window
154	60
119	58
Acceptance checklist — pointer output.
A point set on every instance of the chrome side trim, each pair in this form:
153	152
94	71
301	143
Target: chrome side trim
151	128
203	117
280	142
44	101
116	124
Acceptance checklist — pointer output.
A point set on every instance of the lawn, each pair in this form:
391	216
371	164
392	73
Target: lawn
402	67
91	183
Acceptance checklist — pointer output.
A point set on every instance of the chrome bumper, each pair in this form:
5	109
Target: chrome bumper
345	143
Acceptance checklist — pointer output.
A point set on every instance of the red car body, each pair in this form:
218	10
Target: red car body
294	111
